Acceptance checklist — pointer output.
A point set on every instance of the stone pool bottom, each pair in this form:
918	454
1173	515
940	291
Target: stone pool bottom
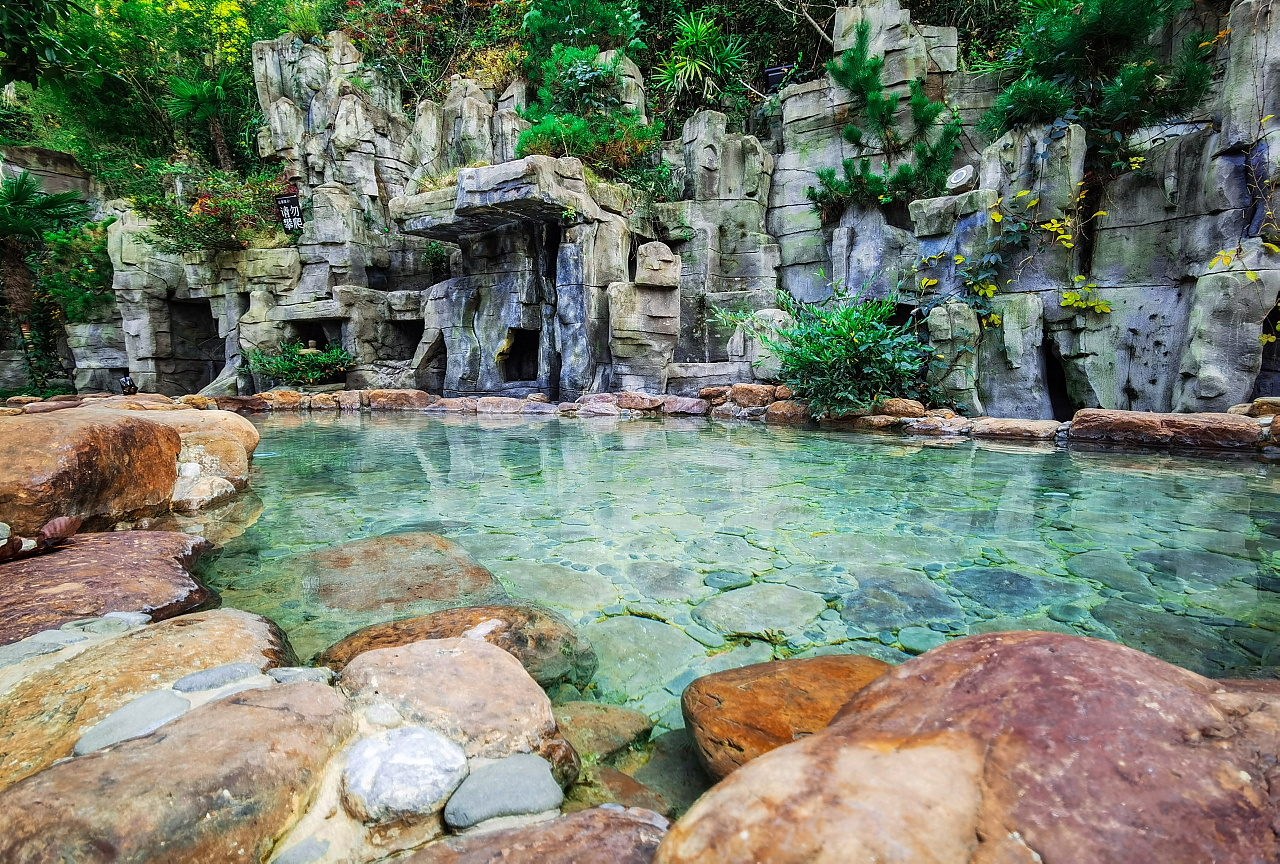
682	547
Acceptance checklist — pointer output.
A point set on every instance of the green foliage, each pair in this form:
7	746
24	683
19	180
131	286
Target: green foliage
76	270
574	83
290	366
655	182
702	60
27	211
302	19
932	143
1094	60
30	46
227	214
604	23
844	354
204	101
607	143
986	27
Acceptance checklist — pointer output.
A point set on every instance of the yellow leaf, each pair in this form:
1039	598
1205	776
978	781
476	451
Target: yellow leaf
1099	213
928	283
959	259
1033	202
1273	247
996	217
1023	192
1069	245
1265	119
1251	276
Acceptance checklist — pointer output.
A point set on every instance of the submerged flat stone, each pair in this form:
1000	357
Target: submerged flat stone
1014	593
1177	639
767	611
889	598
638	655
1190	565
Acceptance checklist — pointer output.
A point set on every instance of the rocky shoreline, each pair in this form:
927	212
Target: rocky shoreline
437	738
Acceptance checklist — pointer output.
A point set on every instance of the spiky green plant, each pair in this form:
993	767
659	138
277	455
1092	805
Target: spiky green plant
26	213
702	59
204	102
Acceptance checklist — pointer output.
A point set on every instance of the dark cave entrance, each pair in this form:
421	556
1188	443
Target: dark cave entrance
520	362
405	336
1055	381
1268	381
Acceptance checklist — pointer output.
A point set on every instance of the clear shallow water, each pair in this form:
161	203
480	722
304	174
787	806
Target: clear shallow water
784	541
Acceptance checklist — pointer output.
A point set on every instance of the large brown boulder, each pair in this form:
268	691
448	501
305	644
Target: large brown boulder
752	395
43	713
91	574
1011	747
1005	427
219	784
1164	430
601	834
395	570
192	420
739	714
467	690
543	641
103	466
399	400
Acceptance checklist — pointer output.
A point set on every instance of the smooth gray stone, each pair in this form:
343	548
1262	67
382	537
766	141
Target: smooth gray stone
297	674
24	650
410	771
514	786
307	852
705	636
142	716
4	531
917	640
133	619
59	637
218	676
106	627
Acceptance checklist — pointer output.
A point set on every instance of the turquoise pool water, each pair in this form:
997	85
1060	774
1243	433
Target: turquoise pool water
684	546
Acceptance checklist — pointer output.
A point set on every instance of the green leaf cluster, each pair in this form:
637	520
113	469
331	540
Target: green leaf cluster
76	270
604	23
1093	60
290	366
930	141
845	354
702	60
226	214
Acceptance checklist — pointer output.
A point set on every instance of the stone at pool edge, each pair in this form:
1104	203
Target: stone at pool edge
608	834
105	676
415	570
544	641
518	785
917	640
226	776
986	731
401	774
890	598
117	571
601	731
143	715
739	714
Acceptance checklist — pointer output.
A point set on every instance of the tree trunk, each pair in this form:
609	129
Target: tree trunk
220	145
16	276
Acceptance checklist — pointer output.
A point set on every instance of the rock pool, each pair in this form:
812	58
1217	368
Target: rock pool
682	547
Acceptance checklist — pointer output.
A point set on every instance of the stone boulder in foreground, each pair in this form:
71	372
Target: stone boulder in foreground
1011	748
543	641
92	574
103	466
739	714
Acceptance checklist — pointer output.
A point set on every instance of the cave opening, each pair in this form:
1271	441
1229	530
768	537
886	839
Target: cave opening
1055	381
520	362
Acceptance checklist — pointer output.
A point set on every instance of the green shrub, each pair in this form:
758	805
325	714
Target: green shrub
289	366
843	354
653	182
607	143
702	60
1094	60
606	23
227	214
930	142
76	270
574	83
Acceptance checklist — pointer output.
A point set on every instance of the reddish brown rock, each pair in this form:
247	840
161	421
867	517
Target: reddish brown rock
197	401
324	402
588	398
44	713
604	784
241	404
103	467
119	571
877	422
394	570
599	730
1000	427
1011	747
285	400
598	408
715	395
498	405
20	401
783	393
787	412
543	641
469	691
684	405
46	407
752	395
737	715
218	453
188	421
399	400
899	408
454	406
639	401
939	425
1167	430
55	531
351	400
595	836
219	784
